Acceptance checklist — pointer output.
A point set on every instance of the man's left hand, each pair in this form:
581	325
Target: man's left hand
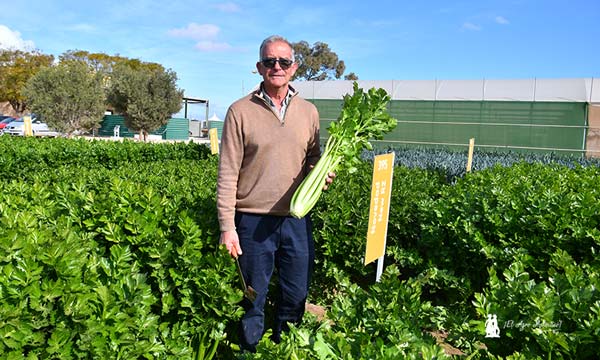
329	180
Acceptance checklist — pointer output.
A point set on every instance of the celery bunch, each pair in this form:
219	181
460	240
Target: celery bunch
364	116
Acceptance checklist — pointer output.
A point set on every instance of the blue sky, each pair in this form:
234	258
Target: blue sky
213	45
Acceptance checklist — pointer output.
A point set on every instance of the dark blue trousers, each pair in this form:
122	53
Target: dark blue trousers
268	243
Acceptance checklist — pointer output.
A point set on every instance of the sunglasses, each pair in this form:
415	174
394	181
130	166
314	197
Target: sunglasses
270	63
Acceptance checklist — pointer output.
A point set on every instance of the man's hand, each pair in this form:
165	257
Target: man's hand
329	180
232	242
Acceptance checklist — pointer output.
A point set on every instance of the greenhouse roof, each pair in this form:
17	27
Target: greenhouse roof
556	90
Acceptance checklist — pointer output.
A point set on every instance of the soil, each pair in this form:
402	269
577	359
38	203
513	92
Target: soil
316	310
440	337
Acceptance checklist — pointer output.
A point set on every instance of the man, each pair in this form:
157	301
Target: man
270	141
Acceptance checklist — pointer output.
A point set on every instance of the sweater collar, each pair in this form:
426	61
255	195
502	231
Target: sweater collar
261	93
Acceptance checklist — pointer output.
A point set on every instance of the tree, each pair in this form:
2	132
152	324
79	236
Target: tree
351	76
69	96
104	63
318	62
16	67
146	97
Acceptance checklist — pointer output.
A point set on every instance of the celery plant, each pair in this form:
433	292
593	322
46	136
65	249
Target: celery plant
364	116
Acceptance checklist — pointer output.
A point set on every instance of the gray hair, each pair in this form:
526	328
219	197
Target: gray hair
272	39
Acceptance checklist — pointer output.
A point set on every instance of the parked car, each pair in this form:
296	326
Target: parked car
38	127
5	121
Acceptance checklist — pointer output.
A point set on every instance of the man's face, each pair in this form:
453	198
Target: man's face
277	76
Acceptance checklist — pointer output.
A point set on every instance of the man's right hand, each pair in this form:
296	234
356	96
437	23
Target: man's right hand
232	242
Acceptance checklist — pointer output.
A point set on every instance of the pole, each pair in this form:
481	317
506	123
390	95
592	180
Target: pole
379	269
470	156
206	113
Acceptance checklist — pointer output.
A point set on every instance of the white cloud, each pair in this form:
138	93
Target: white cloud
212	46
501	20
227	7
471	26
12	40
205	36
196	31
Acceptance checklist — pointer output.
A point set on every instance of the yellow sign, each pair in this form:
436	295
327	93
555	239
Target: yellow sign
470	157
214	140
381	190
27	130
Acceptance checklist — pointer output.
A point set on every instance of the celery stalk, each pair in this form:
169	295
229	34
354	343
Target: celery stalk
364	116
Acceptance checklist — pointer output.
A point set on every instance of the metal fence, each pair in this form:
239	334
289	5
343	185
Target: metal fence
496	125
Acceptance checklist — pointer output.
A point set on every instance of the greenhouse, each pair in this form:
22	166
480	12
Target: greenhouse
530	115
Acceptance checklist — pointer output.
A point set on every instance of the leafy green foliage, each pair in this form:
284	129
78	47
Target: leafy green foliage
557	316
386	325
317	62
146	97
103	63
535	224
341	223
109	252
492	215
16	68
68	96
114	263
23	157
452	164
364	117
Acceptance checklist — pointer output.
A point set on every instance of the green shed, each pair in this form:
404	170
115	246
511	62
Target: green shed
176	128
107	127
216	124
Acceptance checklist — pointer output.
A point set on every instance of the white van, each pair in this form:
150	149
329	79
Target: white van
38	128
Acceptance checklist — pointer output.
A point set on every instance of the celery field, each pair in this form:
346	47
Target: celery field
109	250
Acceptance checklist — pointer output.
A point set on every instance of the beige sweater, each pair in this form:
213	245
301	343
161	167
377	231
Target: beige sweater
264	159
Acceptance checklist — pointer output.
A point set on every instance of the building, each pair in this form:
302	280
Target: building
533	115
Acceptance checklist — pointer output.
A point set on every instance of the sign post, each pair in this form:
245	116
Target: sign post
381	190
27	128
214	141
470	158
